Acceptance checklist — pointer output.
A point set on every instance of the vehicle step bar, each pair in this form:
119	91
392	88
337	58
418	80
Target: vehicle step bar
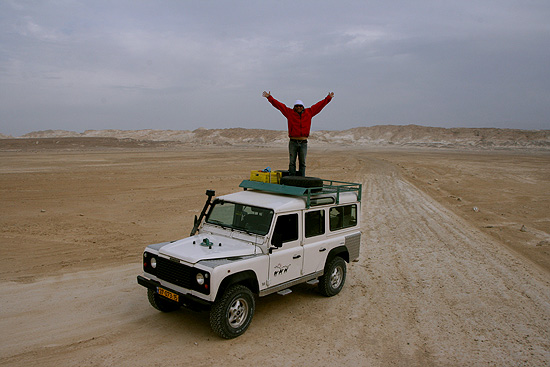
291	283
284	292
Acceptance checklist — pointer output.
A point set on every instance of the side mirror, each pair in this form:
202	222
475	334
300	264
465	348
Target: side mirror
277	240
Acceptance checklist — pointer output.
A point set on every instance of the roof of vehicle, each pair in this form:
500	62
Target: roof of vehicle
280	202
319	188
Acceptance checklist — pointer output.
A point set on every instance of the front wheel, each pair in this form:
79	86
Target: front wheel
331	283
231	314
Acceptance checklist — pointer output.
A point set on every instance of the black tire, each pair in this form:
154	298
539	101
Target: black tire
232	313
332	281
303	181
284	173
161	303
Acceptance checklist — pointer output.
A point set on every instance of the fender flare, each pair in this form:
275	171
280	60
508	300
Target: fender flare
248	278
341	251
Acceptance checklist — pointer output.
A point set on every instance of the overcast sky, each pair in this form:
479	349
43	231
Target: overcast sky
80	65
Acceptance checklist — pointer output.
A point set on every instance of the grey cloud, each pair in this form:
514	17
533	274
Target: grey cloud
180	65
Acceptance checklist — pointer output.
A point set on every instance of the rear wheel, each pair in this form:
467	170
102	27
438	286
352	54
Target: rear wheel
332	282
231	315
161	303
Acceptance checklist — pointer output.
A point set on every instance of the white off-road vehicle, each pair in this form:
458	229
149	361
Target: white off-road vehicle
264	239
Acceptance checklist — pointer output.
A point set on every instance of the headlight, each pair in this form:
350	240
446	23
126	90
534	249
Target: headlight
200	278
153	262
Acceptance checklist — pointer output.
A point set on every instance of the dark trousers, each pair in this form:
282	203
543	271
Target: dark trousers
297	148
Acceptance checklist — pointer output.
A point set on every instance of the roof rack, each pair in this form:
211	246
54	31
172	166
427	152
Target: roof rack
329	187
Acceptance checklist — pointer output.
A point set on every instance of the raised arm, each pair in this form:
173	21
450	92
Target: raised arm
317	107
278	105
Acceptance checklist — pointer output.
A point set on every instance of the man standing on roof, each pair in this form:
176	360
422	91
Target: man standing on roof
299	124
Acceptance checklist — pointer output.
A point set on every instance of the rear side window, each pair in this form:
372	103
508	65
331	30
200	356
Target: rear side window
315	223
343	217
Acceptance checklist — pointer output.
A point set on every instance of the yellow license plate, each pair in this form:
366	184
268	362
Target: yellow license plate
168	294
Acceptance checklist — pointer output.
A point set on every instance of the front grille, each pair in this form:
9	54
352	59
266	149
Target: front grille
174	272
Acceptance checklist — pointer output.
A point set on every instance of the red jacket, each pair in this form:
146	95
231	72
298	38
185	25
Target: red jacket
299	124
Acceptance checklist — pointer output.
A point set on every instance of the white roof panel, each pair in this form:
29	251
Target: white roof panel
280	203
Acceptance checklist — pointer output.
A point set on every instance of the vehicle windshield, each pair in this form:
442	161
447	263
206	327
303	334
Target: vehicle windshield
251	219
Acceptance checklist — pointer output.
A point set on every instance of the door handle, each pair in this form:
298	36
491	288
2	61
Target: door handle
322	249
296	256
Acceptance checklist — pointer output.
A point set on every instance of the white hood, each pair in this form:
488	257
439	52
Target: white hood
203	247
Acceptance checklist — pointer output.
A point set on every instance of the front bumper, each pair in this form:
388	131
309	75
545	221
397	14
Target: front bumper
186	300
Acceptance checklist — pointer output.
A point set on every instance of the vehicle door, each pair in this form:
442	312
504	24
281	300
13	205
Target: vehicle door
285	260
316	244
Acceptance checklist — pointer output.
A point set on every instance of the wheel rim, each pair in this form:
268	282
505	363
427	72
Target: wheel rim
237	313
336	277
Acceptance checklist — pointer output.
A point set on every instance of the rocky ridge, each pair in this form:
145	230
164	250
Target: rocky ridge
381	135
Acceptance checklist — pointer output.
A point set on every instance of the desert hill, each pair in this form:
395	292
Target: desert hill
381	135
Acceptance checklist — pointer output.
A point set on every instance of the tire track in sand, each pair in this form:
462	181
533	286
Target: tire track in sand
440	292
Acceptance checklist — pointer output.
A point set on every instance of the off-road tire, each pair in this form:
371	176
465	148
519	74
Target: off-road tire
161	303
303	181
332	281
232	313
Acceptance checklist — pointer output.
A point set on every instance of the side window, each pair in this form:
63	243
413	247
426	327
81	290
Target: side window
343	217
286	228
315	223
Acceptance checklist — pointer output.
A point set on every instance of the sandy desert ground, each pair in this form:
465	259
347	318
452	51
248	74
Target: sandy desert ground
454	267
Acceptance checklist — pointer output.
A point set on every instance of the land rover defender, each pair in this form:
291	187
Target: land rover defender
264	239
